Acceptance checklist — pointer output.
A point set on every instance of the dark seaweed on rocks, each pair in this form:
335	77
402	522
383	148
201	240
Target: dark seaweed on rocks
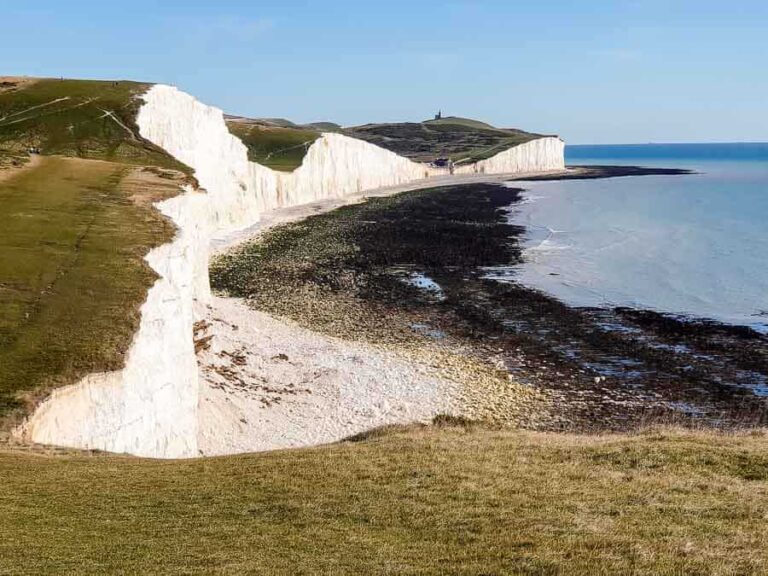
412	266
579	172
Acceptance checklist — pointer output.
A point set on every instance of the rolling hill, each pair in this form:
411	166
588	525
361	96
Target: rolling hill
281	144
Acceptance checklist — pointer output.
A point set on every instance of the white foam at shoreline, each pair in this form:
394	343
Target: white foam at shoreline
691	245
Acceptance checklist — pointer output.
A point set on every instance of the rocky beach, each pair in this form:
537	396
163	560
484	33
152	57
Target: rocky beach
408	273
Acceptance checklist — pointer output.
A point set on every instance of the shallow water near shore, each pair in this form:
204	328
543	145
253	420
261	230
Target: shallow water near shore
694	244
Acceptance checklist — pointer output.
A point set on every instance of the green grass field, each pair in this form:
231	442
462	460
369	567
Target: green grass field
279	148
77	224
79	118
437	500
72	274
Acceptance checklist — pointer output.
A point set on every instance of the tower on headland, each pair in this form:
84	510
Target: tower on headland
439	115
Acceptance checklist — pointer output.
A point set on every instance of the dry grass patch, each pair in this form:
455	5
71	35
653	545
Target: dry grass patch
277	147
13	83
450	499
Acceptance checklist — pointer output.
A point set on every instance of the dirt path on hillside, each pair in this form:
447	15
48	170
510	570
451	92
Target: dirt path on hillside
8	172
43	105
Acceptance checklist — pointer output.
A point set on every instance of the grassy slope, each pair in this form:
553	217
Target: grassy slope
457	120
460	139
72	274
413	501
69	117
325	126
279	148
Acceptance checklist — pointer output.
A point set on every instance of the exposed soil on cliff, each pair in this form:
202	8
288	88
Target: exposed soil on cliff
409	270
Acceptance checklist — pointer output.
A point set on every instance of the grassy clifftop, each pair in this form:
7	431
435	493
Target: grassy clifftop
78	118
459	121
77	222
460	139
281	144
72	273
277	145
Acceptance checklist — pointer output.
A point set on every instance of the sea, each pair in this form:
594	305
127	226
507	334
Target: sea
692	245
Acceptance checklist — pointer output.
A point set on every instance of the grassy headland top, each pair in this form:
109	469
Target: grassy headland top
76	187
276	143
460	139
78	118
281	144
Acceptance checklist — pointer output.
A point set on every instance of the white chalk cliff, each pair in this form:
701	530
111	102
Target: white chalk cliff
541	155
150	407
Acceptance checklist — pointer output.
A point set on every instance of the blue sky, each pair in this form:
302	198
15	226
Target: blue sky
592	71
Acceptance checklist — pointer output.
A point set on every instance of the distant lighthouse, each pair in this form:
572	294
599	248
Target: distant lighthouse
439	115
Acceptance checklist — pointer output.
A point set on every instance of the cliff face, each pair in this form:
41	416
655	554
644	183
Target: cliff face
539	155
337	166
150	408
240	190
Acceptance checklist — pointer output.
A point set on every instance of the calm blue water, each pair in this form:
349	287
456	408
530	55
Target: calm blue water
661	154
694	244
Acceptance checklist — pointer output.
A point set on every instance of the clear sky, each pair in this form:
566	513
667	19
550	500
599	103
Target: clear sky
593	71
